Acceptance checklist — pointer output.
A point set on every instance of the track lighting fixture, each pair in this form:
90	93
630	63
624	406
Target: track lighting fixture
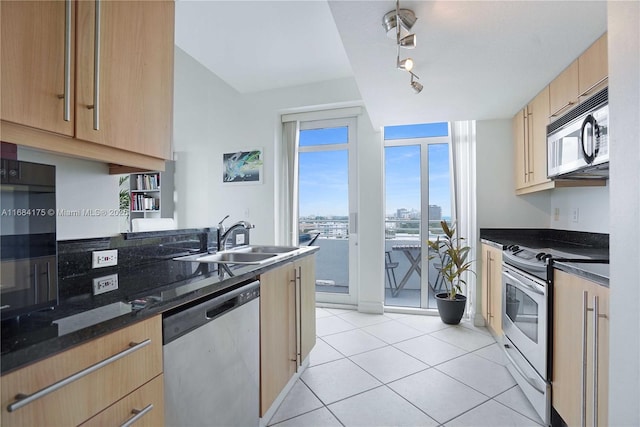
402	20
416	86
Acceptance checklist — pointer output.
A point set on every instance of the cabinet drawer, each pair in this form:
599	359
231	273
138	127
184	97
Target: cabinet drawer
143	407
96	374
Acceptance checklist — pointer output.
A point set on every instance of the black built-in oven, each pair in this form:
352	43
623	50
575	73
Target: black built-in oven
27	237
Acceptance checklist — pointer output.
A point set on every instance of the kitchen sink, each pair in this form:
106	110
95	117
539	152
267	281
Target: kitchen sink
266	249
256	254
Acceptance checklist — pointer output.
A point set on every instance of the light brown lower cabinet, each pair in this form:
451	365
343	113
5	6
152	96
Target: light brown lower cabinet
492	288
580	378
80	383
287	325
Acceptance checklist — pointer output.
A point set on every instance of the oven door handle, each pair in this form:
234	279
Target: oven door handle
528	286
529	380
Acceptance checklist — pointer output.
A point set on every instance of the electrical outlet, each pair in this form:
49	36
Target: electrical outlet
104	258
240	239
105	284
575	214
556	214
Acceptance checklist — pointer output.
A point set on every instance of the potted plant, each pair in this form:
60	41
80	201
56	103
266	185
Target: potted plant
452	253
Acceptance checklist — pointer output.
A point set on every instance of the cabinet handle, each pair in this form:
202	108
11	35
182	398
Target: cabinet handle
294	281
66	116
596	314
564	107
586	92
137	414
583	377
96	70
488	274
25	399
36	291
299	313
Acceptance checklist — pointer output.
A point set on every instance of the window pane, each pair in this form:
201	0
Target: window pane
326	136
324	208
439	187
425	130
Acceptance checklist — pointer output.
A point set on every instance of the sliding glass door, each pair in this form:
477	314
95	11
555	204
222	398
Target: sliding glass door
417	198
327	204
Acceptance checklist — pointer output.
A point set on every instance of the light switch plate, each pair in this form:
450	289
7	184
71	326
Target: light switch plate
104	258
105	284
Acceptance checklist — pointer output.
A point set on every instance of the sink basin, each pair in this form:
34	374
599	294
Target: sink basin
266	249
236	258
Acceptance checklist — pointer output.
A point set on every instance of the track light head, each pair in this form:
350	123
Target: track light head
406	64
408	42
416	86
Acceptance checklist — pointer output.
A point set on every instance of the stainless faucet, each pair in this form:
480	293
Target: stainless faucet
223	234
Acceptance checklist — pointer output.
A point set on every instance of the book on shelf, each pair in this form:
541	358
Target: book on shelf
148	181
142	202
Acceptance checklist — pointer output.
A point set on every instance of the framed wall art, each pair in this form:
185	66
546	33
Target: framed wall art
242	167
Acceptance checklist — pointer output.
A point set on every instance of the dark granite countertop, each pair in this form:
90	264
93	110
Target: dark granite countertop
145	291
595	272
574	243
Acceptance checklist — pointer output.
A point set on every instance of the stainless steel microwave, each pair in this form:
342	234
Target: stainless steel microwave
28	279
578	142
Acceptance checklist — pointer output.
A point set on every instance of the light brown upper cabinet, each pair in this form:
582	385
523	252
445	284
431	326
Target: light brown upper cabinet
564	91
111	90
530	135
37	38
593	68
584	77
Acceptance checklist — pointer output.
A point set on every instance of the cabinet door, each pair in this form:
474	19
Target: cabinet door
538	119
568	346
495	283
520	149
307	305
593	68
277	333
146	405
134	76
33	56
91	392
564	91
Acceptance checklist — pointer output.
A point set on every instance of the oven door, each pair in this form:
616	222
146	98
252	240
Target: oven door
524	316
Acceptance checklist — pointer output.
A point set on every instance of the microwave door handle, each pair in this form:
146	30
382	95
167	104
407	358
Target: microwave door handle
589	120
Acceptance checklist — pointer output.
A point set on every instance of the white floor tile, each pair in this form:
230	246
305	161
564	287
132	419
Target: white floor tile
353	342
464	338
338	311
493	353
515	399
379	407
437	394
430	350
392	331
337	380
388	363
364	319
332	325
477	372
491	414
469	325
393	315
321	312
298	401
425	324
318	418
323	353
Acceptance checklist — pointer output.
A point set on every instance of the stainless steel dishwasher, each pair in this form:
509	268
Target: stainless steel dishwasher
211	361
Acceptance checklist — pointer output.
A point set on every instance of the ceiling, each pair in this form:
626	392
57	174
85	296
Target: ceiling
476	59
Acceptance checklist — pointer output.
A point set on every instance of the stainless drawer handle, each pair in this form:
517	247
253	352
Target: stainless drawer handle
593	86
24	399
137	414
96	69
565	106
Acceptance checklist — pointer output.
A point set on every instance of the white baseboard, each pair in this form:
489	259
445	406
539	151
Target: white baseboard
376	307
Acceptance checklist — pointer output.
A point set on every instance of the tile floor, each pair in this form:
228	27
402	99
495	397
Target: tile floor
403	370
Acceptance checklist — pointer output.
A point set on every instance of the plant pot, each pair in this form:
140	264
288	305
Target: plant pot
451	311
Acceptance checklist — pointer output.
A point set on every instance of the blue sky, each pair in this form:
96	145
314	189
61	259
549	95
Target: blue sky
323	175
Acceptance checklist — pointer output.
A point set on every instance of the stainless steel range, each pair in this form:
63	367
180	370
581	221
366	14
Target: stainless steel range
527	278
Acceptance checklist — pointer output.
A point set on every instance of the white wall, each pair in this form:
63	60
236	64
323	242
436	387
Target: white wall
81	184
592	204
624	107
497	204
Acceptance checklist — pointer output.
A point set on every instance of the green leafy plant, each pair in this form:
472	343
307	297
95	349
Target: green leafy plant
452	254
